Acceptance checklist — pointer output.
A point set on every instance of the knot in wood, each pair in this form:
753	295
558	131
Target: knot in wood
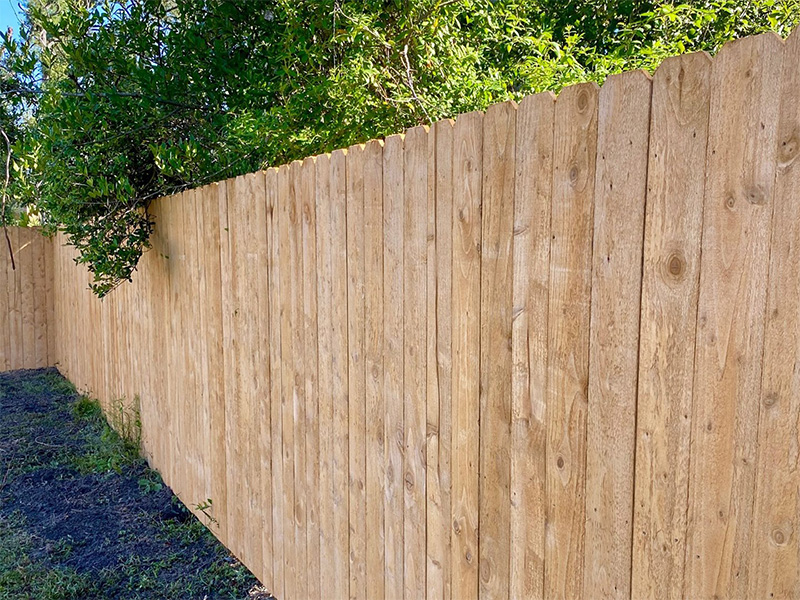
583	100
779	537
788	149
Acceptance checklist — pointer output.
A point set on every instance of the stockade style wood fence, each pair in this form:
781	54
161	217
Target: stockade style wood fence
549	351
26	301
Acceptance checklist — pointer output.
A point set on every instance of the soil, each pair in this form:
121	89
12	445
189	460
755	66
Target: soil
93	514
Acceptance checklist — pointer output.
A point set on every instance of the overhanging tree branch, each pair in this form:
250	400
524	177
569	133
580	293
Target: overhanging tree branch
5	198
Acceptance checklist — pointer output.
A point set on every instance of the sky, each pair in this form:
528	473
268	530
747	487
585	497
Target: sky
7	16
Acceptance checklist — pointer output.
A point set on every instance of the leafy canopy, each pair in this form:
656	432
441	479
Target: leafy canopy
109	104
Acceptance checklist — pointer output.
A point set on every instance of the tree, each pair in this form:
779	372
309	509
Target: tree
129	100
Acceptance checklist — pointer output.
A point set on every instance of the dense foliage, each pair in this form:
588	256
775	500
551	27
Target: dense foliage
112	103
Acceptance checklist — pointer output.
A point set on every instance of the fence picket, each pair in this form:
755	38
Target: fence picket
532	191
745	96
775	550
393	343
373	366
496	298
574	153
467	180
671	268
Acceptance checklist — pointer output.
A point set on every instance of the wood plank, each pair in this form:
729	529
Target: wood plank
340	366
26	261
40	298
190	390
299	368
373	366
745	97
5	307
532	192
467	180
356	373
255	387
309	227
51	274
143	327
393	309
214	356
574	153
158	304
16	343
201	353
286	206
499	124
775	550
620	190
327	442
169	234
274	254
439	405
230	221
180	376
415	165
671	269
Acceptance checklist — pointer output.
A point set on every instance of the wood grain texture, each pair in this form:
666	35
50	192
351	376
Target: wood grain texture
287	299
340	368
26	261
574	153
774	549
327	442
745	98
26	300
256	305
393	342
5	311
39	300
356	374
273	276
620	188
13	293
496	298
191	393
439	383
373	366
176	383
532	191
214	358
670	277
466	314
311	425
415	164
297	332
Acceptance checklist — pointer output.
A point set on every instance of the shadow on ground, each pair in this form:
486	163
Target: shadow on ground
83	518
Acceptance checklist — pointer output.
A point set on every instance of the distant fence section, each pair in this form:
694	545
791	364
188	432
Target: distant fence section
26	300
549	351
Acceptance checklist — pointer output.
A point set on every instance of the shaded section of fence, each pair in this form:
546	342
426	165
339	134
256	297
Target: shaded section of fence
545	351
26	300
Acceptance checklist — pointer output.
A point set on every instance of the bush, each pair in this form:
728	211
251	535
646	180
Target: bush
110	104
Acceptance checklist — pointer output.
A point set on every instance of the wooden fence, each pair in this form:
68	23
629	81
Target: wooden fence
26	332
549	351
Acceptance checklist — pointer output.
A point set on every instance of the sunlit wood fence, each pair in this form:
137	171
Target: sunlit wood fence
549	351
26	300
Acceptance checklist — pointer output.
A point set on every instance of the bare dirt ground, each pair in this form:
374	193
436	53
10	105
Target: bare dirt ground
82	516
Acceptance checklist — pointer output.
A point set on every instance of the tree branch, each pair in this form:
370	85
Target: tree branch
5	197
156	99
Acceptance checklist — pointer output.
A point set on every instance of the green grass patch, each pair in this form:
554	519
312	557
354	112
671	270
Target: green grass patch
76	488
25	578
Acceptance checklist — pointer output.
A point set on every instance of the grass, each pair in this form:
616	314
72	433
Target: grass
22	576
51	434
